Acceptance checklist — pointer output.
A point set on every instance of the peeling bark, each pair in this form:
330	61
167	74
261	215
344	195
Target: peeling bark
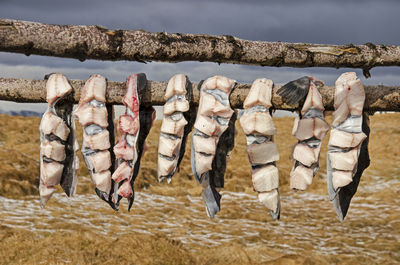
96	42
378	98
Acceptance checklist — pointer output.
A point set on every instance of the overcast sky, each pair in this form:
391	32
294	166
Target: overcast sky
315	21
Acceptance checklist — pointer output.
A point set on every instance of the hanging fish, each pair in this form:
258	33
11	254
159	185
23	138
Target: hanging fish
310	128
259	128
179	115
134	125
213	139
58	146
97	120
348	143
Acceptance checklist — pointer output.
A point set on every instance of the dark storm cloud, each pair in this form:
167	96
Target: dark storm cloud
316	21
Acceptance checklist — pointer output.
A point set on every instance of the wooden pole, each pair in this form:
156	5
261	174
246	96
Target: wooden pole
96	42
378	98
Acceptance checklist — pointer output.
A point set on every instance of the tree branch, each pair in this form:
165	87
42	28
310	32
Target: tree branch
378	98
95	42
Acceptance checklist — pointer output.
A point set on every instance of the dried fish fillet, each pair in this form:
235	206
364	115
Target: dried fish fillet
215	127
309	129
348	144
58	161
96	118
259	128
134	126
179	116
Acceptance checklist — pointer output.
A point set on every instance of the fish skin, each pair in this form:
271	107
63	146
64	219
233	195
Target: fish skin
215	119
59	121
146	118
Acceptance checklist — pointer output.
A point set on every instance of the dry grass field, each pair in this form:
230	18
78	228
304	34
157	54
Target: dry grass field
168	223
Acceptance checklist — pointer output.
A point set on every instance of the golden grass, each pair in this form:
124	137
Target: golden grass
19	156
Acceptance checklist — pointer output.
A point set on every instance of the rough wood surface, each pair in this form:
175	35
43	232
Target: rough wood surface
378	98
96	42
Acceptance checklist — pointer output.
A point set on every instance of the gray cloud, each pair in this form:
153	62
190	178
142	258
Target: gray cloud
338	22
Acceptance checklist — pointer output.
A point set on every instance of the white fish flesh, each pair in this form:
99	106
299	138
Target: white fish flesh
215	127
134	126
259	128
96	118
348	143
58	161
310	129
179	115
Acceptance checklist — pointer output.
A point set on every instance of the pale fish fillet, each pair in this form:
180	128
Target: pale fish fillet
102	180
204	145
301	177
308	128
306	154
95	88
100	141
341	178
88	114
259	94
128	124
344	160
270	199
257	123
176	125
57	86
214	119
99	161
313	100
349	97
344	139
53	150
51	124
212	106
263	153
58	161
348	144
96	118
51	173
259	128
265	178
169	146
176	105
124	171
124	151
170	126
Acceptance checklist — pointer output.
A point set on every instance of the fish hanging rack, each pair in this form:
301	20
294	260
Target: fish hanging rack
99	43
